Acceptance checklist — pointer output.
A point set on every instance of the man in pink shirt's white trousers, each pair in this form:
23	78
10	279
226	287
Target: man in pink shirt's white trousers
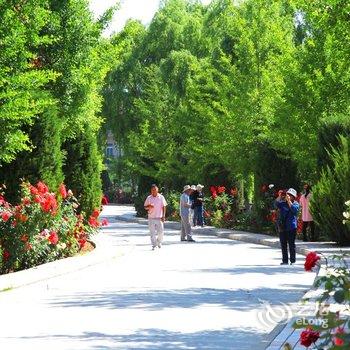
156	204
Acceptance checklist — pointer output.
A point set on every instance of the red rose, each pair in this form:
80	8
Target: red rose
5	215
309	337
42	188
82	242
105	222
28	246
234	191
33	190
53	238
2	200
93	222
221	189
212	189
6	255
338	341
311	260
104	200
24	238
49	203
95	213
26	201
63	191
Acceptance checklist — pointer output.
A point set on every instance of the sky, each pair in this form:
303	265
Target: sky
143	10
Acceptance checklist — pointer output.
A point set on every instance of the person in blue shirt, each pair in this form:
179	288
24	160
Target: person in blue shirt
288	222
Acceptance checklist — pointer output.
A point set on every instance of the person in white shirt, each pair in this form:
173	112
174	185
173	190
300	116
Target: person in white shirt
155	204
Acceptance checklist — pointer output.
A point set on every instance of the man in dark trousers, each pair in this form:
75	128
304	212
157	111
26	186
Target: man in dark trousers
198	201
288	211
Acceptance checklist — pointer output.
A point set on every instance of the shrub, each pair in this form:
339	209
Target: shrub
328	135
43	227
329	329
173	208
82	169
331	193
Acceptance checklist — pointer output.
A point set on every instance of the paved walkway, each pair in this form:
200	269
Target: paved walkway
209	295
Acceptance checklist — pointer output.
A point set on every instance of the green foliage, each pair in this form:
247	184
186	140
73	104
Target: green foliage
271	169
83	169
52	67
21	77
331	193
329	137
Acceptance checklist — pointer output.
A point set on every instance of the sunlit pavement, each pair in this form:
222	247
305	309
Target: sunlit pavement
204	295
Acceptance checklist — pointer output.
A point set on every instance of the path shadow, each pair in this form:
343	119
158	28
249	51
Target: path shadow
161	339
241	299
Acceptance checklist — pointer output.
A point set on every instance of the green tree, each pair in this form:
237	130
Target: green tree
22	78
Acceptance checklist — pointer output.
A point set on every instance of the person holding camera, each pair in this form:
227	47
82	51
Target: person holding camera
288	209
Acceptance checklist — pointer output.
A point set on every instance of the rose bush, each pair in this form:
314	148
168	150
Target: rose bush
333	304
221	208
43	227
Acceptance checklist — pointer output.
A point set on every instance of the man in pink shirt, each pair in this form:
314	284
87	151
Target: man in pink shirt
306	215
156	204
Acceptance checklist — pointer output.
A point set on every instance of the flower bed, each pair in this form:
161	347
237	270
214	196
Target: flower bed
43	227
330	329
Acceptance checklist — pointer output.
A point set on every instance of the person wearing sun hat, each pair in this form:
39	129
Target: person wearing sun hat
198	198
288	210
185	206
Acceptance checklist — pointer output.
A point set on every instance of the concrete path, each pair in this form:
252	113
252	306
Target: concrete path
213	294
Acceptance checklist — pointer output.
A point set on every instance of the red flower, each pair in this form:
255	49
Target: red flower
42	188
28	246
2	200
53	238
49	203
24	238
82	242
37	199
25	201
308	337
105	222
6	255
311	260
5	215
95	213
221	189
93	222
33	190
234	192
212	189
104	200
338	341
63	191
